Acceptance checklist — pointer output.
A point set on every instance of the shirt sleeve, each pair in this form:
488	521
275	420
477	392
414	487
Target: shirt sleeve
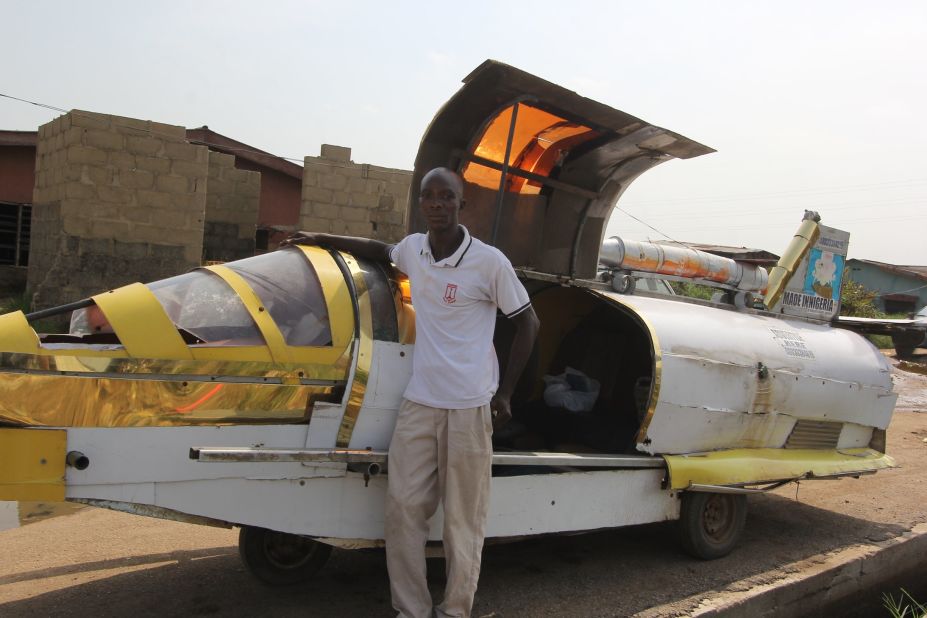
508	292
397	253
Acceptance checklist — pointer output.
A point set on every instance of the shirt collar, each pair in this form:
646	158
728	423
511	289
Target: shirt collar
453	260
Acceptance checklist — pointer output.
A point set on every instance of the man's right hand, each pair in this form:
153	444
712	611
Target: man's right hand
304	238
360	247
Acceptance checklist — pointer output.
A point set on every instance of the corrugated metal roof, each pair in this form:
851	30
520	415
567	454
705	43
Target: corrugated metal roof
18	138
221	143
918	272
741	254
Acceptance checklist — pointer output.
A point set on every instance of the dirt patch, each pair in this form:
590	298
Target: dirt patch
910	381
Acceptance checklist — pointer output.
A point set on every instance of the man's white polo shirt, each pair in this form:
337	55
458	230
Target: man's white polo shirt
454	365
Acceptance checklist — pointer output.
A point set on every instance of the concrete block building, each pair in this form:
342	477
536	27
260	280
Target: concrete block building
899	289
93	201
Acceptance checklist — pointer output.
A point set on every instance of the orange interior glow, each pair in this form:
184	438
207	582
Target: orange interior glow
540	141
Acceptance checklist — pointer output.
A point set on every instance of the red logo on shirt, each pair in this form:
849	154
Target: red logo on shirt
450	293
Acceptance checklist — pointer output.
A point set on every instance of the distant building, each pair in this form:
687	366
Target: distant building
278	214
899	289
281	184
17	173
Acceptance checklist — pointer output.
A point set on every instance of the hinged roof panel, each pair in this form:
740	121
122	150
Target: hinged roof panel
543	166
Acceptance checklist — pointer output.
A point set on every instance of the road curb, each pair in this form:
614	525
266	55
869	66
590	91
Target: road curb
811	585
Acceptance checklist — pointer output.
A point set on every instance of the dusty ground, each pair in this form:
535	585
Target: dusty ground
111	564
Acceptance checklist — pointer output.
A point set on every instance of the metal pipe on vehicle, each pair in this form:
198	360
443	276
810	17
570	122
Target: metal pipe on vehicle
643	256
77	460
807	234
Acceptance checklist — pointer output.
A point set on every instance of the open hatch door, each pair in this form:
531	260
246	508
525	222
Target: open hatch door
543	166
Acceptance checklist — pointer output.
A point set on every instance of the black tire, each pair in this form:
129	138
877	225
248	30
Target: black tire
905	343
624	284
278	558
710	524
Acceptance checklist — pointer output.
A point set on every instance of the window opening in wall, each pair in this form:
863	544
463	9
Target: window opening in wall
15	225
261	240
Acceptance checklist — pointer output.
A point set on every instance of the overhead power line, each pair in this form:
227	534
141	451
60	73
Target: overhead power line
57	109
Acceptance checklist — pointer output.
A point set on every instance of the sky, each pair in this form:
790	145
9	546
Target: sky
810	105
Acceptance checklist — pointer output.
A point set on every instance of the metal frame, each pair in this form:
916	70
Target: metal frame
514	458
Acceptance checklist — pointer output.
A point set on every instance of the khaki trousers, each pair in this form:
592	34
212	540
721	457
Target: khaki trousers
437	455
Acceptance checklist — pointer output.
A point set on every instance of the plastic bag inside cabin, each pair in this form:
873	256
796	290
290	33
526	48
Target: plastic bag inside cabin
572	390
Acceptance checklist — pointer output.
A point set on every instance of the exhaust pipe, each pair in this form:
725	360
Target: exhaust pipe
807	234
77	460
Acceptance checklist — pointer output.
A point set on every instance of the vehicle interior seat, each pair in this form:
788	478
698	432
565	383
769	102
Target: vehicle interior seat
598	348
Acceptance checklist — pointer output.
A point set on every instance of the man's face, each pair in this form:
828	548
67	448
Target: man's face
441	200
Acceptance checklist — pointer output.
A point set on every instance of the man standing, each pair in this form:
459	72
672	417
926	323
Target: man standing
441	449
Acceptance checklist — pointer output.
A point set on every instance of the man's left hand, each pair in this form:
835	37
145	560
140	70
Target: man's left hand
501	411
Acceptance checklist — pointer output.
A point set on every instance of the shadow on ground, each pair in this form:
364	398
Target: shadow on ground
608	573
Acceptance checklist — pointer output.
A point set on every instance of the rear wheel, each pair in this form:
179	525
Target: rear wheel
905	343
711	524
278	558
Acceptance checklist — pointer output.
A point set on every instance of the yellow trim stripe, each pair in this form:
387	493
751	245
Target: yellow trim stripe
763	465
261	316
32	464
364	355
657	379
16	335
141	323
337	295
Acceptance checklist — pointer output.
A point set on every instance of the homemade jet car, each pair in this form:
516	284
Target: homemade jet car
262	393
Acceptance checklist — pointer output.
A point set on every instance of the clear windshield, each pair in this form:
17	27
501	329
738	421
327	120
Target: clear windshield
202	303
290	290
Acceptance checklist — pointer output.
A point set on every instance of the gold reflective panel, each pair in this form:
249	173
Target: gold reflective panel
259	371
657	379
73	401
364	355
142	377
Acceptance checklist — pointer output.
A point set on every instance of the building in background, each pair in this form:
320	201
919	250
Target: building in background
899	289
17	174
93	201
281	184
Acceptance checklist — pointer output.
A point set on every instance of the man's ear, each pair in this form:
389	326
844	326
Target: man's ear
463	203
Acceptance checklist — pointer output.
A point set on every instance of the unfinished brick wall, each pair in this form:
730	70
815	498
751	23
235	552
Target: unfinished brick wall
116	200
343	197
232	203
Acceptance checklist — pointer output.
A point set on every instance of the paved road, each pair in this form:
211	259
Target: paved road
112	564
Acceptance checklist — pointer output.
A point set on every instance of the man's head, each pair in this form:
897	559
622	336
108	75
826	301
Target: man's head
441	199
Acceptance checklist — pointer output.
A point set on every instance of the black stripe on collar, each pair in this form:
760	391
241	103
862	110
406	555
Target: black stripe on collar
460	259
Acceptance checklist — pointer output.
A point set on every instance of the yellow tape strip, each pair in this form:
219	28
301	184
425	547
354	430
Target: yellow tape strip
32	464
141	323
337	295
16	335
364	356
760	465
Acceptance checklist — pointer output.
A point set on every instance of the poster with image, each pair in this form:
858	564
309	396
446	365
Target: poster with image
814	290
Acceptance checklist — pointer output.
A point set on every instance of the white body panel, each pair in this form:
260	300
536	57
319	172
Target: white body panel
9	515
150	466
711	395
